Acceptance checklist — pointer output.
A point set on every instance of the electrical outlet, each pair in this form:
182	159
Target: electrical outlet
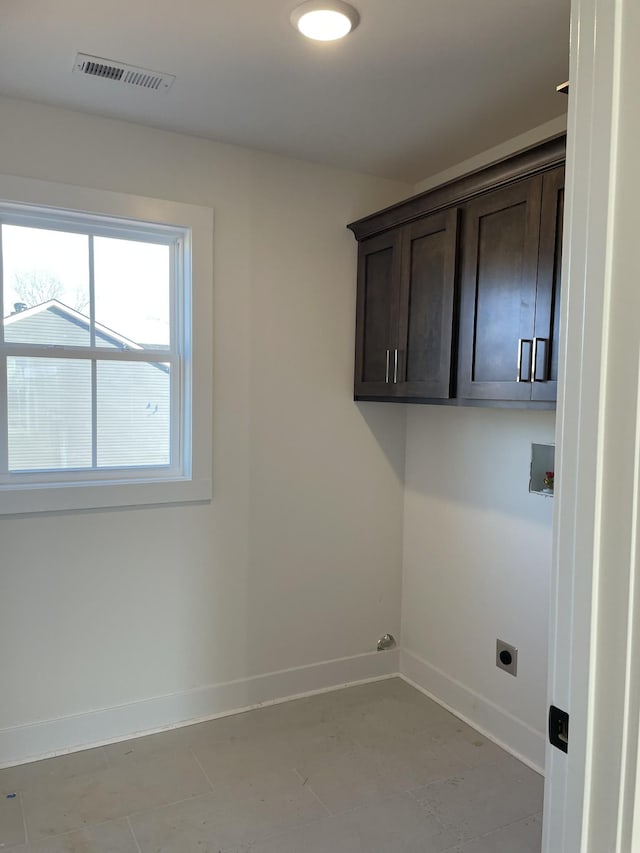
506	657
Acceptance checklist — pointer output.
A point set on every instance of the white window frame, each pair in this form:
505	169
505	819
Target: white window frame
189	229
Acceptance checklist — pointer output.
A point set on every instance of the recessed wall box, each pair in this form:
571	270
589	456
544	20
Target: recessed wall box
541	479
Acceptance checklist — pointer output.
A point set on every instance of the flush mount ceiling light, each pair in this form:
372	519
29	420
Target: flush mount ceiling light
325	21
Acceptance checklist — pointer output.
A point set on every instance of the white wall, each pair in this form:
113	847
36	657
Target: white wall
297	559
484	158
477	558
477	551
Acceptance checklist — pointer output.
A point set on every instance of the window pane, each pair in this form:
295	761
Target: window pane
45	286
131	292
134	425
49	409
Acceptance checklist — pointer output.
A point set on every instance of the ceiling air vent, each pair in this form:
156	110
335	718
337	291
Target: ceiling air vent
119	72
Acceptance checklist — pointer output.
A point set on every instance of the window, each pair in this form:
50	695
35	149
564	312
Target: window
97	362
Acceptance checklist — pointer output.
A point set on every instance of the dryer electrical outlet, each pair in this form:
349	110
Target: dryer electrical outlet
506	657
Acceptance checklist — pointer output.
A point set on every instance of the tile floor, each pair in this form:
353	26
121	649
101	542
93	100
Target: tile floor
371	769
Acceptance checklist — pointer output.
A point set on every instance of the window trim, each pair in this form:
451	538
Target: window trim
41	202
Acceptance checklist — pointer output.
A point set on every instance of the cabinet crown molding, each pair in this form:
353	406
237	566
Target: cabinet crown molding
538	158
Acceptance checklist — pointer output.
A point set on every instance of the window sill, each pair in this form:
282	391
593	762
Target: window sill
25	500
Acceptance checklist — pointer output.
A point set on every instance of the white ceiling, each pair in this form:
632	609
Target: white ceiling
419	86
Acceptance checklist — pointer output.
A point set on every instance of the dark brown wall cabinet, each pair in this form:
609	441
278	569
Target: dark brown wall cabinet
459	289
510	292
406	283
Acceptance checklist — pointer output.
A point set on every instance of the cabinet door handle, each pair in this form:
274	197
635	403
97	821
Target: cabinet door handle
521	341
386	374
395	366
534	361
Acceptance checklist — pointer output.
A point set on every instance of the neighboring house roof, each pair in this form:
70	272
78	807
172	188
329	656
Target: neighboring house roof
53	322
59	308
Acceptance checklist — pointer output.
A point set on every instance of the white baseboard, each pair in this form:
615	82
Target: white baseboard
31	742
518	738
44	739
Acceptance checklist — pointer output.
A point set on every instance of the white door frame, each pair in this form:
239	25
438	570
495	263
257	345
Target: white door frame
591	805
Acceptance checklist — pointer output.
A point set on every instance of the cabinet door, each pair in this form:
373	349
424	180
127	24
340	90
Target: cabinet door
377	315
498	293
426	306
547	325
